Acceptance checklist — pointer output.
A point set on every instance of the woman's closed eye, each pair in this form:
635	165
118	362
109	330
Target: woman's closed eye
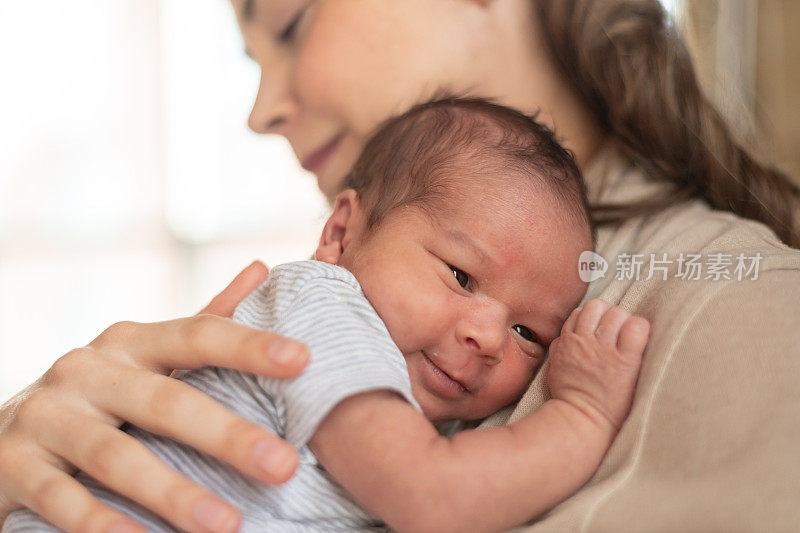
288	32
462	278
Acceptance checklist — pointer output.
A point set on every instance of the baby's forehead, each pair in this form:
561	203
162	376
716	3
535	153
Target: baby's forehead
497	196
512	193
500	212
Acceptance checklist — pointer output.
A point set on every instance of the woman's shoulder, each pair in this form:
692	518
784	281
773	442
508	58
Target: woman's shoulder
715	410
687	265
717	397
693	228
686	248
690	251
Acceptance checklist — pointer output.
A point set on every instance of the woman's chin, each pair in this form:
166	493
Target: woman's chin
330	178
328	181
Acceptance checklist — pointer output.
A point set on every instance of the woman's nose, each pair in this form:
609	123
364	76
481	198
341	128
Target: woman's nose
274	108
483	336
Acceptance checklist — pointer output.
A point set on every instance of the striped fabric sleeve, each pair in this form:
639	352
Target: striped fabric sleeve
351	352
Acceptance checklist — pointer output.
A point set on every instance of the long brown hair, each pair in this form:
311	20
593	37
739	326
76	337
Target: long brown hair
631	68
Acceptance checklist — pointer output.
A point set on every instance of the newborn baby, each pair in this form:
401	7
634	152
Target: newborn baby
448	266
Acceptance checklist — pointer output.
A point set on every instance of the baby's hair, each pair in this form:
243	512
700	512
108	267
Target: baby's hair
420	157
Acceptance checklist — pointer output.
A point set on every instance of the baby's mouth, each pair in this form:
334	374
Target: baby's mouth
429	360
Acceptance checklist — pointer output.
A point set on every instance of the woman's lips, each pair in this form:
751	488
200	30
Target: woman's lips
318	159
439	381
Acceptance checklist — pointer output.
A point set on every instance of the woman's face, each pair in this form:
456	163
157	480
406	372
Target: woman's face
332	70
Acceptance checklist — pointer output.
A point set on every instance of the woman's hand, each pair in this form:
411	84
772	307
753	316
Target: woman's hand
69	420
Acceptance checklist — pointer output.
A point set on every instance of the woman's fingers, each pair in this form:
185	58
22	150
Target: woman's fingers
79	429
33	477
98	449
249	279
66	503
69	417
204	340
176	410
243	284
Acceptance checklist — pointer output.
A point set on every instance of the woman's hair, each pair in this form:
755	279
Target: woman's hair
423	157
629	66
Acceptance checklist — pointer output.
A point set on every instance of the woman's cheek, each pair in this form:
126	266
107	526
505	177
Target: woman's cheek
359	66
315	77
330	61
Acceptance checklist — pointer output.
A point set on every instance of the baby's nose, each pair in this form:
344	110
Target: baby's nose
483	337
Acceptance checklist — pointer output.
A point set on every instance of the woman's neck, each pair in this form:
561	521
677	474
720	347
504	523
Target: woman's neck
527	78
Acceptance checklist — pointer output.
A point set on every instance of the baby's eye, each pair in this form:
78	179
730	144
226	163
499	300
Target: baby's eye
529	342
461	277
525	333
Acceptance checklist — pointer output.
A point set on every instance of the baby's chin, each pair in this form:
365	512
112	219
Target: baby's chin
432	408
437	412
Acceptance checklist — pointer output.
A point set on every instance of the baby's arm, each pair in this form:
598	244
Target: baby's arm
395	464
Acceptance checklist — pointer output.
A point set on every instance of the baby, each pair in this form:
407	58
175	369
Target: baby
448	266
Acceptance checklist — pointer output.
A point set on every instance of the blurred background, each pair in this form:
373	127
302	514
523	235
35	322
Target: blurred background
130	188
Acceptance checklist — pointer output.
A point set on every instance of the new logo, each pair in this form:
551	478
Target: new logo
591	266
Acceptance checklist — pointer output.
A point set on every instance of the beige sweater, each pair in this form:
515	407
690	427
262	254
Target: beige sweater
713	439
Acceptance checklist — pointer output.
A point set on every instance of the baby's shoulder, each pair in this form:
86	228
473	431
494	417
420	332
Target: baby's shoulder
299	283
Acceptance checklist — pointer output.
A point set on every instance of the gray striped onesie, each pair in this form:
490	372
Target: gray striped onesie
323	306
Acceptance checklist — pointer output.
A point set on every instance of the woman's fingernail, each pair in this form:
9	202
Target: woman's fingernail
213	515
285	351
275	458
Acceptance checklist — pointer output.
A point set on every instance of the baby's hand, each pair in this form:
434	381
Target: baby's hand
595	362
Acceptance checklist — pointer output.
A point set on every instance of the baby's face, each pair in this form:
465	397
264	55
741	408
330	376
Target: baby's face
472	298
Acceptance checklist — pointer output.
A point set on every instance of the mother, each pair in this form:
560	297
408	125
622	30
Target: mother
712	435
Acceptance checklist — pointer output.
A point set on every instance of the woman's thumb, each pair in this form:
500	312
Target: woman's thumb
243	284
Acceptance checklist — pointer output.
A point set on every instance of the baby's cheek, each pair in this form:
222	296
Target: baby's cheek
414	311
413	324
518	378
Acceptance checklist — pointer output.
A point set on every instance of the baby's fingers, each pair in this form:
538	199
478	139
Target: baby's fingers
633	336
610	323
589	317
569	324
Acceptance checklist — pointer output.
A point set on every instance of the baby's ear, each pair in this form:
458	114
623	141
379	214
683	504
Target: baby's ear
342	227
